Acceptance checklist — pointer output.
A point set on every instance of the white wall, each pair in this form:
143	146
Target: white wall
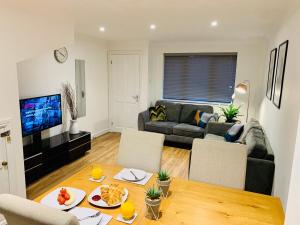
281	124
249	66
293	204
24	33
43	75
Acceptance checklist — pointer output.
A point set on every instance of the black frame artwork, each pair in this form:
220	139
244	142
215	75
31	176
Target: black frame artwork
280	70
272	63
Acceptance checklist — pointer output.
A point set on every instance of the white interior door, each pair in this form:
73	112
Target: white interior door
4	176
124	90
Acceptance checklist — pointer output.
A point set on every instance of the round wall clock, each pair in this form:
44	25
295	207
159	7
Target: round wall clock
61	55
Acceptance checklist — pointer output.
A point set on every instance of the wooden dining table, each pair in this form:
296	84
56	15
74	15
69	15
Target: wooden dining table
188	203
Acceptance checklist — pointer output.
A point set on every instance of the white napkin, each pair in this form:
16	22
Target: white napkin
141	182
120	218
82	212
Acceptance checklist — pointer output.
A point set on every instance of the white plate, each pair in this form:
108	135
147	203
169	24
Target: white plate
126	175
102	203
51	199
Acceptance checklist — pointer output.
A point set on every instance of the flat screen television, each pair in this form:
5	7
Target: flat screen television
40	113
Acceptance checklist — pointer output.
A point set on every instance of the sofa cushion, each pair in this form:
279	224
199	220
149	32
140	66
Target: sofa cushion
188	130
160	127
173	110
234	132
214	137
201	119
158	113
188	112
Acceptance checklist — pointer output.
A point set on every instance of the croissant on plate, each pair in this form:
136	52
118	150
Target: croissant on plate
112	194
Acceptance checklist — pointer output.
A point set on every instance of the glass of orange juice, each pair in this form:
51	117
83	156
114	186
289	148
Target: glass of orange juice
127	210
97	172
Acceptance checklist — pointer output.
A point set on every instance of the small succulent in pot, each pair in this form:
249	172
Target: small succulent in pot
163	181
153	200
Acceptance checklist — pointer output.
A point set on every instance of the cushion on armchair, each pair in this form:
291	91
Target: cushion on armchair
234	132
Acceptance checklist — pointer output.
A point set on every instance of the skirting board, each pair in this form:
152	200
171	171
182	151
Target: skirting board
97	134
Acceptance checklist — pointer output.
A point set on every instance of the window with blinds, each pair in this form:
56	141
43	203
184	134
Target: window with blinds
200	77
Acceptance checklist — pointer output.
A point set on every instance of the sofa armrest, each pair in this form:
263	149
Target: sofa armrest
259	176
143	117
217	128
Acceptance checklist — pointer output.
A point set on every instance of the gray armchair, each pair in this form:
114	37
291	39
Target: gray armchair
260	164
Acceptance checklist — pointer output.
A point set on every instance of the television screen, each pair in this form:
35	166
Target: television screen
40	113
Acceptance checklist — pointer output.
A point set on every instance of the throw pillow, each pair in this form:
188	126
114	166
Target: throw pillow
197	117
158	113
202	118
234	132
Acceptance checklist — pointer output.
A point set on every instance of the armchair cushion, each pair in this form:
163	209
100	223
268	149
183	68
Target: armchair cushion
234	132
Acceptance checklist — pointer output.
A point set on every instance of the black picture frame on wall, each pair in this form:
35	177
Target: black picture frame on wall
280	70
272	63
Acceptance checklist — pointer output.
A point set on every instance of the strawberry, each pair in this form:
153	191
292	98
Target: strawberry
61	200
66	196
63	191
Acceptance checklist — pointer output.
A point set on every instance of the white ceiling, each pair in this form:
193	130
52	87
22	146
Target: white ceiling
175	19
180	19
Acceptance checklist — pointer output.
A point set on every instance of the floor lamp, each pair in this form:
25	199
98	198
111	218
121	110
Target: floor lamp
244	88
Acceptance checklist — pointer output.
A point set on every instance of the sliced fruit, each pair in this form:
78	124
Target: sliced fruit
71	199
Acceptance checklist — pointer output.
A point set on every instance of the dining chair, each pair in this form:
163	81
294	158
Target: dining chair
218	163
20	211
141	150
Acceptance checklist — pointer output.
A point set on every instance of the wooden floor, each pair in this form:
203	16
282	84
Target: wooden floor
104	150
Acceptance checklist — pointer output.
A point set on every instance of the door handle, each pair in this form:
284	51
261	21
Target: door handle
4	163
136	97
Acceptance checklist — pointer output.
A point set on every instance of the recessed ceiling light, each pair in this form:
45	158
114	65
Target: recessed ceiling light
152	26
214	23
102	29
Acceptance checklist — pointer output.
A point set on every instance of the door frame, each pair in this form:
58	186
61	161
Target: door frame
4	127
110	54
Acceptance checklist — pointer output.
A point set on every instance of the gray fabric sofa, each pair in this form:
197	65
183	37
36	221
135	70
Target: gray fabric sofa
178	128
260	162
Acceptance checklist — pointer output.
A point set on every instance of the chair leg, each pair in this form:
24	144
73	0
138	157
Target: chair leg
2	220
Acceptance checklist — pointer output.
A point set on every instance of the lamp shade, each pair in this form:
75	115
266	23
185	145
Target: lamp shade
242	88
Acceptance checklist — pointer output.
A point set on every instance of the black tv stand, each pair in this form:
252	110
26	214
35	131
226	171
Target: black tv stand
44	156
37	139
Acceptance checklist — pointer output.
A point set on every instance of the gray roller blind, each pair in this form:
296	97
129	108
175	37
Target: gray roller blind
200	77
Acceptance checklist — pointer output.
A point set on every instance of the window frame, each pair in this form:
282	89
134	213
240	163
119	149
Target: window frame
196	54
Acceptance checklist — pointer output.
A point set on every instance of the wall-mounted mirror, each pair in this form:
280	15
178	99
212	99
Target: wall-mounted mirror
80	87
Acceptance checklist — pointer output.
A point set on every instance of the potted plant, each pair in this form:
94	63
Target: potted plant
231	113
153	200
69	96
163	181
